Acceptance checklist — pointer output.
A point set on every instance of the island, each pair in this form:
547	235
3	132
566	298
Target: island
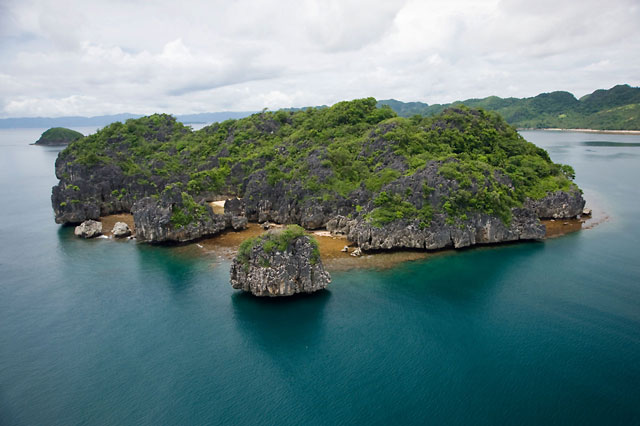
456	179
58	136
281	262
614	109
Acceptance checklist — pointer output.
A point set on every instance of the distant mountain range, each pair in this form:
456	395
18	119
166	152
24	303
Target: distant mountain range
103	120
617	108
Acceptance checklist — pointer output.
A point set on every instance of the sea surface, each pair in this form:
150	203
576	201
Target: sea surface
102	332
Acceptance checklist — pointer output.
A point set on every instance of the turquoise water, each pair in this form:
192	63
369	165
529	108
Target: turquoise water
115	333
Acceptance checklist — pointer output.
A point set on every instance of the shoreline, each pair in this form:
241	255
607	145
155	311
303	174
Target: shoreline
608	132
225	245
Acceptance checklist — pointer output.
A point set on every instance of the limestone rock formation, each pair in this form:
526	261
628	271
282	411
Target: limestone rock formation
176	217
121	230
392	184
477	229
558	205
88	229
279	263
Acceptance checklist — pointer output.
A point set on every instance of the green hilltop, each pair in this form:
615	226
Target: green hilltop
617	108
352	157
58	136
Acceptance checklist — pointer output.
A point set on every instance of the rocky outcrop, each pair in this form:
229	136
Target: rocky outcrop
478	229
238	223
120	230
370	188
558	205
88	192
167	219
266	270
88	229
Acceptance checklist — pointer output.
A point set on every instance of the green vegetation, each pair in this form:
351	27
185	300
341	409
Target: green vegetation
393	207
464	160
189	212
59	136
475	149
617	108
275	241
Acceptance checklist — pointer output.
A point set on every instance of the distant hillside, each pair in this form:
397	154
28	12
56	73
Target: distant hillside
617	108
103	120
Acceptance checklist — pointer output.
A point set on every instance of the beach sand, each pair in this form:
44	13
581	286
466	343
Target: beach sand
225	245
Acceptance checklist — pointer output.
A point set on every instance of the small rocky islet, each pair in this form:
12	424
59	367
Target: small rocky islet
58	136
457	179
281	262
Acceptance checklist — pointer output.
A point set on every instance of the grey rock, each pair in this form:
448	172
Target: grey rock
235	207
296	270
586	211
152	218
558	205
478	229
88	229
239	222
121	230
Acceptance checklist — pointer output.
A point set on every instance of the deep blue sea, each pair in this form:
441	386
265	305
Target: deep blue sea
117	333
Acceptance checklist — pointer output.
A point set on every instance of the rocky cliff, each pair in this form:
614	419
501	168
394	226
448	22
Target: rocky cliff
279	263
461	178
171	218
477	229
558	205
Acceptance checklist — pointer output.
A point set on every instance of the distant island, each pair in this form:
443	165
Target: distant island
104	120
615	109
455	179
58	136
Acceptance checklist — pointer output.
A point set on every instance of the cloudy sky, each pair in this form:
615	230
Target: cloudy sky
84	57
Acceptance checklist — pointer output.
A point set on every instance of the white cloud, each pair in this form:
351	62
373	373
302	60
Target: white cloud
94	57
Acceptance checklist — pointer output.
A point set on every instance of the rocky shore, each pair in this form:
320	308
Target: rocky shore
445	202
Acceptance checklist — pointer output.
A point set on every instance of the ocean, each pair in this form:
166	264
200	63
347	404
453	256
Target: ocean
104	332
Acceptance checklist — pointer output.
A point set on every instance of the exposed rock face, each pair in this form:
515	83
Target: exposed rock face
88	229
153	220
238	222
297	269
478	229
86	192
90	189
235	207
121	230
558	205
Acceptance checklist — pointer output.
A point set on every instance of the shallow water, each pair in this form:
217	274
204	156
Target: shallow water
106	332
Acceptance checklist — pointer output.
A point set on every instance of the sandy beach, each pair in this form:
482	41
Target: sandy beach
226	244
